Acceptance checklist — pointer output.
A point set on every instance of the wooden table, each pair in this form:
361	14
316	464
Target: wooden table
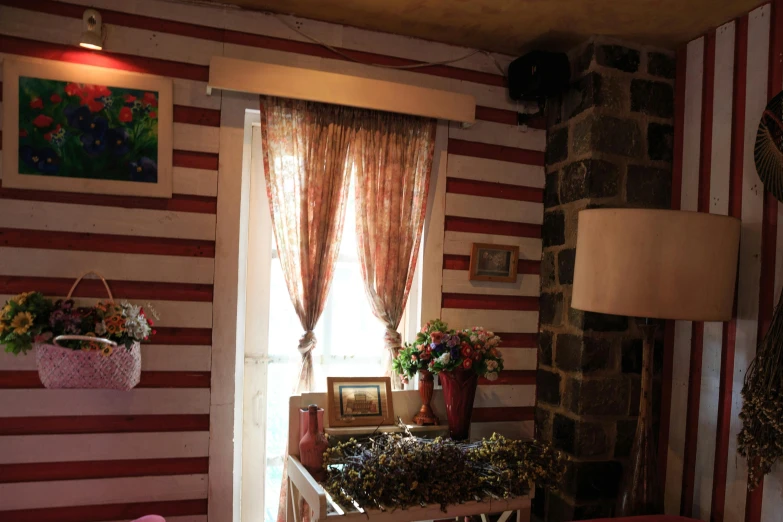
302	486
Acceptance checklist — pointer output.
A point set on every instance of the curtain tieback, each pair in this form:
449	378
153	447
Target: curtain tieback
393	341
307	343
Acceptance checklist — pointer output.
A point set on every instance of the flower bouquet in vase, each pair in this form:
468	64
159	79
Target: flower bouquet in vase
459	358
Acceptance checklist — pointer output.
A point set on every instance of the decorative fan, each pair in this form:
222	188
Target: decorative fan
769	147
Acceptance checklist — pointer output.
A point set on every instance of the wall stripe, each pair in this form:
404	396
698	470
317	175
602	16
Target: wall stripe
697	335
518	340
29	380
120	289
195	160
44	471
503	414
103	424
100	513
527	377
489	302
494	190
723	434
491	226
495	171
86	241
668	362
495	152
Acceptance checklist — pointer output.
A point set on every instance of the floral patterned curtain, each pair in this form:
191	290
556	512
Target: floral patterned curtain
391	157
305	147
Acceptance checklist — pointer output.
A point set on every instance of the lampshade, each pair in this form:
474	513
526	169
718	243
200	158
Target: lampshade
662	264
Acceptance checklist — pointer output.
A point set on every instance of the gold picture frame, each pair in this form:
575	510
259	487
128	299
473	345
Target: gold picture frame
80	128
497	263
359	401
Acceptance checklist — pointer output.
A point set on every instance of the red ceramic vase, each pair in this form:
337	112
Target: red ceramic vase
459	390
313	446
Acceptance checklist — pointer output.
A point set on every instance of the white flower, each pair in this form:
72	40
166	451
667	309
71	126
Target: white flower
492	376
100	328
482	337
474	338
491	365
444	359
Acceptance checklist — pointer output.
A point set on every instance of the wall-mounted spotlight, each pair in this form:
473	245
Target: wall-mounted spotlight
92	35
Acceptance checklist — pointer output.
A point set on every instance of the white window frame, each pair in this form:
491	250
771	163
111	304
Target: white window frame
257	303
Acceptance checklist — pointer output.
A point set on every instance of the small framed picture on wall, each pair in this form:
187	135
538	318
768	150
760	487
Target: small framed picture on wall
497	263
78	128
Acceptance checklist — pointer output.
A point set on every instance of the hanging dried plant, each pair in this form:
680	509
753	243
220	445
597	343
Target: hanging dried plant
761	438
390	471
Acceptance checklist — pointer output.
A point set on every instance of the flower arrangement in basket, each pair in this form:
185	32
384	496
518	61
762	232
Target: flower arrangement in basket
459	358
78	347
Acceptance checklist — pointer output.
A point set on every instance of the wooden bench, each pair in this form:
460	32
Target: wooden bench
302	486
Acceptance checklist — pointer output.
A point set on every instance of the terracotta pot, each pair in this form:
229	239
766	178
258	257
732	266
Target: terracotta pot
459	390
312	446
426	384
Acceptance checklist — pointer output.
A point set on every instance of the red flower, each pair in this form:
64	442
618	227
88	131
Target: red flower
55	98
466	351
98	91
73	89
129	98
42	121
95	105
425	356
48	136
476	356
150	98
150	322
467	363
126	114
22	133
153	115
36	103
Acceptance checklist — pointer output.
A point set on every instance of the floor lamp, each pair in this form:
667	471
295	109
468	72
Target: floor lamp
653	264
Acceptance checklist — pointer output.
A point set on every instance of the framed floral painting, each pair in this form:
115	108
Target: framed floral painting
78	128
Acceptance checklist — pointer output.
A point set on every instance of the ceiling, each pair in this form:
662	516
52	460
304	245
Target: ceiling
515	26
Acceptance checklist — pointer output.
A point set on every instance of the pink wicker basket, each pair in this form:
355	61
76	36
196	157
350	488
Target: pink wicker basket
60	367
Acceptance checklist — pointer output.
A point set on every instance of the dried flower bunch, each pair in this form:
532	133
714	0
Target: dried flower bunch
31	318
390	471
761	437
440	349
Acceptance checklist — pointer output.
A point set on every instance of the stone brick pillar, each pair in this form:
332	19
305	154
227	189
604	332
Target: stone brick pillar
609	144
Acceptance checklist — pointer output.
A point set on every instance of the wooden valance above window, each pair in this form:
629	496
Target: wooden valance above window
230	74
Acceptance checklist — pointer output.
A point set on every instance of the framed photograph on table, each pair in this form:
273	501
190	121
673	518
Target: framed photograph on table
497	263
78	128
359	401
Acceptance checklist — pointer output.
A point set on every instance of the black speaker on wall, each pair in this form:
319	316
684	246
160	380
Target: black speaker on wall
538	75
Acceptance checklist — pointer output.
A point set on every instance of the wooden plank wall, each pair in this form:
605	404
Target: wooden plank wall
87	456
727	77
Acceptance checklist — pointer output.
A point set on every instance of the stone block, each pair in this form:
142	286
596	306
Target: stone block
553	229
589	179
653	98
626	430
580	438
551	196
545	341
603	133
590	481
548	270
582	94
565	266
556	146
632	356
584	59
550	308
660	142
547	387
648	187
618	57
584	354
598	396
635	387
661	64
543	423
604	322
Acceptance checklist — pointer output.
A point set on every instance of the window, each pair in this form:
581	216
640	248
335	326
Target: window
350	343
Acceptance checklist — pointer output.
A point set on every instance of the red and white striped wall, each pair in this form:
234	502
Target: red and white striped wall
724	81
166	447
494	194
